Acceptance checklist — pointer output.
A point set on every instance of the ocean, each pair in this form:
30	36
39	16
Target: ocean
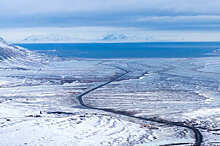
127	50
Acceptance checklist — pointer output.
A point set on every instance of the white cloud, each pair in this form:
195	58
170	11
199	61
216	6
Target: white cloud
147	14
20	7
197	18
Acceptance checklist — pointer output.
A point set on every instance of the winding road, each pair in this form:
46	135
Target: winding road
197	134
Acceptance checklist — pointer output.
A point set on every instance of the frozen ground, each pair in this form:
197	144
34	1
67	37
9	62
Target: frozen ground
38	104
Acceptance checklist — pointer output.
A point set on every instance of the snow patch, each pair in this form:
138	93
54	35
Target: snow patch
203	113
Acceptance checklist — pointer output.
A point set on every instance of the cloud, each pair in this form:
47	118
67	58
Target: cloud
24	7
181	22
146	14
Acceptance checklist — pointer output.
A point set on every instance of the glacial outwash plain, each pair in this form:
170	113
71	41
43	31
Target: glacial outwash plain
47	100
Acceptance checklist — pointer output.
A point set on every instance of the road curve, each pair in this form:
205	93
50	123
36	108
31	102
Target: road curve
197	134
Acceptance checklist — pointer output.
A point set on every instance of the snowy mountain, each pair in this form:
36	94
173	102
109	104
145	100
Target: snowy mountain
50	38
58	38
18	55
9	51
85	38
115	37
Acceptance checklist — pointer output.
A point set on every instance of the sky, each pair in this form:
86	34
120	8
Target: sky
133	16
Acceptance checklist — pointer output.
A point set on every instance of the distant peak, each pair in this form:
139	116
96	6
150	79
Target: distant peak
115	37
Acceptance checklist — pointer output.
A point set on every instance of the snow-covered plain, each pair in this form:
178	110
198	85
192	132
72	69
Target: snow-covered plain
38	104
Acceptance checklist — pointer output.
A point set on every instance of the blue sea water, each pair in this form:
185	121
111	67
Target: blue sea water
127	50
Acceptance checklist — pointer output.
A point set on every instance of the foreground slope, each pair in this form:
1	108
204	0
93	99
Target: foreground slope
38	106
38	102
